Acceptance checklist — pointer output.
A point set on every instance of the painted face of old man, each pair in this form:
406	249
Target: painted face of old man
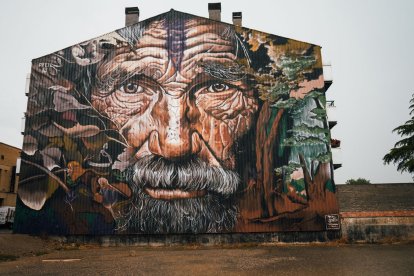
181	101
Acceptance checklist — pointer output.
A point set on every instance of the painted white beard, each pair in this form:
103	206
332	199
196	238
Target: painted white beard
214	212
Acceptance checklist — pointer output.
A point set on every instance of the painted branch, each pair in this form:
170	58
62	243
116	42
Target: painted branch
31	178
279	216
64	187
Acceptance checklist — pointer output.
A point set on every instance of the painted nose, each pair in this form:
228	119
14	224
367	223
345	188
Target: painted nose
172	140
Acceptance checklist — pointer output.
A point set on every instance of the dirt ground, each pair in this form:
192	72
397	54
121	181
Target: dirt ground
36	256
24	245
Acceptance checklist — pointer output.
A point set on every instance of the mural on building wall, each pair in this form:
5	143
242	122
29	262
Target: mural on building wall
177	124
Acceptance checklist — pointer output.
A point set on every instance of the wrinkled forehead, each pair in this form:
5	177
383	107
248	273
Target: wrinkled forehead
180	36
175	44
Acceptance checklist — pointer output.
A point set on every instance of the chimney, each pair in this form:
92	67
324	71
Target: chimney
237	19
131	16
214	11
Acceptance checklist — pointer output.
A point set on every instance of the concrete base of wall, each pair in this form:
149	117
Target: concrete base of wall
356	227
204	239
377	229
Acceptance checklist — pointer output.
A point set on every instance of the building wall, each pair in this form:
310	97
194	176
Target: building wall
8	177
376	197
177	124
377	212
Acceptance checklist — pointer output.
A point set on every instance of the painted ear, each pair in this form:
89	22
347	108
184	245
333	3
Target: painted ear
34	194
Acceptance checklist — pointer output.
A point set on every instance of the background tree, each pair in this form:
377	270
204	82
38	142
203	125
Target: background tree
403	151
359	181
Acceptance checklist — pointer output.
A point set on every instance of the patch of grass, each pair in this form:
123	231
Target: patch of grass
6	257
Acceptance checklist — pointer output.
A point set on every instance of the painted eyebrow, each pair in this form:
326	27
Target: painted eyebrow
117	76
224	71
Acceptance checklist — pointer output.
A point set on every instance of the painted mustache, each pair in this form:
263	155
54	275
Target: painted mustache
190	177
179	197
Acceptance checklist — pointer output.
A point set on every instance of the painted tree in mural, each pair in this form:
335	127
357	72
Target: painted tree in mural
301	181
403	151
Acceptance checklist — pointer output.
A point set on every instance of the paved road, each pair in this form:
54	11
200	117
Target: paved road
274	260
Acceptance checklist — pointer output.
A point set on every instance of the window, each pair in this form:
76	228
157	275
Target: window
13	179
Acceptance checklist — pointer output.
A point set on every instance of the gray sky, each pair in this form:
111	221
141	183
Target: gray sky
369	43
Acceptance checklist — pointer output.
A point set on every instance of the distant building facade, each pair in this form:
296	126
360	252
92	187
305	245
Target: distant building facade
177	124
8	177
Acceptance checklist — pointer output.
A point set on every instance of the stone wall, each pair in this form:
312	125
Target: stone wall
375	197
376	212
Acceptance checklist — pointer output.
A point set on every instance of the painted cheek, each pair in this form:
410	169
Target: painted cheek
217	136
222	123
138	129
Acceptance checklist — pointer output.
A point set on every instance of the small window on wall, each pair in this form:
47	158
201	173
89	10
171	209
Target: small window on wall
2	157
18	162
13	179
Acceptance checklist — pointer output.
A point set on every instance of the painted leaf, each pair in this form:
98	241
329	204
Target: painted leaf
64	102
34	194
52	187
69	116
87	53
95	143
29	144
71	151
51	131
39	122
51	158
59	88
40	101
56	142
79	130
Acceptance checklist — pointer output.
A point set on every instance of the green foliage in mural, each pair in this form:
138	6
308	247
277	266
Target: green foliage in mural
294	67
290	72
324	157
329	185
288	169
312	135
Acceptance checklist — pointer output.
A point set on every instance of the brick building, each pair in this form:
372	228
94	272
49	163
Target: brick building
8	176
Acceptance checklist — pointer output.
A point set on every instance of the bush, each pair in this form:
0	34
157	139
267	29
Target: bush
359	181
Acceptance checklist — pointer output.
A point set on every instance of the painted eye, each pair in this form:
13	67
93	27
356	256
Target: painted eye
131	88
218	87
